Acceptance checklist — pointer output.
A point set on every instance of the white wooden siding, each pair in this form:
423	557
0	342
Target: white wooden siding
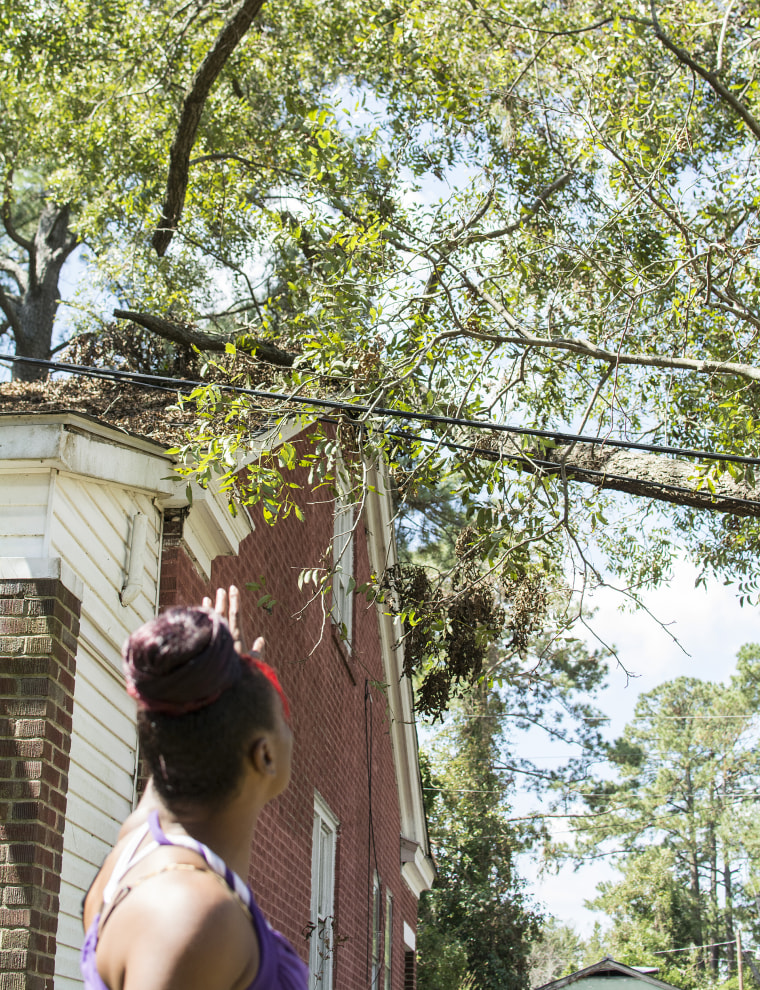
23	513
90	528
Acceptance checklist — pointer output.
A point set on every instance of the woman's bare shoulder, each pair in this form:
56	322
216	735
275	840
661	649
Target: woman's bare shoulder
179	928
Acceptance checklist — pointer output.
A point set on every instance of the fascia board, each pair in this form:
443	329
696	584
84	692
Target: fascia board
84	447
210	529
419	872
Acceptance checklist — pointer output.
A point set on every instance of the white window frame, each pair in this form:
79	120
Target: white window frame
324	842
343	569
377	934
388	942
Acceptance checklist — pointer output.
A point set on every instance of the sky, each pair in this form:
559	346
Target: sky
710	626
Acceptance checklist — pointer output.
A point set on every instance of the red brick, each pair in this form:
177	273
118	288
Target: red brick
27	748
35	645
27	715
29	769
13	959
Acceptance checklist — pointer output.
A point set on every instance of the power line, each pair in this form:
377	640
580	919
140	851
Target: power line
172	384
599	718
690	948
530	462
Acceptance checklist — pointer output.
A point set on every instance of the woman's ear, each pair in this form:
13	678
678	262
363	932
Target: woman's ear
262	756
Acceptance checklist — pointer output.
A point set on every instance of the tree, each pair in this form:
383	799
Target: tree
680	818
474	924
533	214
558	952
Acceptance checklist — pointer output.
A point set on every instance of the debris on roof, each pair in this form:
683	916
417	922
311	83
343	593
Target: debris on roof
147	412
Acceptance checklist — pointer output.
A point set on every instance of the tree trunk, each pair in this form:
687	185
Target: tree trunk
35	316
666	479
693	855
714	926
729	912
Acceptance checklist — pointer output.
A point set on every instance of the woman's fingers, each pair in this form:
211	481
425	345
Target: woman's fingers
221	604
235	619
227	604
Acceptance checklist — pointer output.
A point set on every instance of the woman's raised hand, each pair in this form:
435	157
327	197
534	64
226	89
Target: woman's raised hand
227	604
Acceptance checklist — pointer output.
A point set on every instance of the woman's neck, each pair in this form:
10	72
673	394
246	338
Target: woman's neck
227	830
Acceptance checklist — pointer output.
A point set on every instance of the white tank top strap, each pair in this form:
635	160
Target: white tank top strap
128	858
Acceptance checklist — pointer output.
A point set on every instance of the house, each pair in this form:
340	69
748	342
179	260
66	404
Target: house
608	974
96	536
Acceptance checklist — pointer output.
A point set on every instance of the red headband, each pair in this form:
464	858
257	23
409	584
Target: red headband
271	676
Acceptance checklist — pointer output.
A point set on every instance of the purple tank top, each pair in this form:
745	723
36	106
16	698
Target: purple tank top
280	968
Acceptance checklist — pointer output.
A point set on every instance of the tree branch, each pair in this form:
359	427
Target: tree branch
5	215
654	476
587	349
710	77
8	306
190	336
187	128
230	156
17	273
539	203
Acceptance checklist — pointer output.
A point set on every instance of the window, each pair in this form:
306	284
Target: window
376	932
323	844
388	939
343	563
409	983
410	942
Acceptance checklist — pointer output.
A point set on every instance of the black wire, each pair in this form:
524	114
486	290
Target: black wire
551	467
173	384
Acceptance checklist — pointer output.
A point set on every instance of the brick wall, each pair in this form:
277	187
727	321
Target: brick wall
338	706
39	625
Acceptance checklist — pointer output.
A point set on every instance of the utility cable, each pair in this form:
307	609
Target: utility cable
691	948
173	384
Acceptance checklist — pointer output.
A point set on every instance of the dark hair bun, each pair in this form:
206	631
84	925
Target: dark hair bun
180	661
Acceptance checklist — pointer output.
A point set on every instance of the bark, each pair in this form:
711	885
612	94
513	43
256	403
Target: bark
32	315
714	927
728	887
192	109
189	335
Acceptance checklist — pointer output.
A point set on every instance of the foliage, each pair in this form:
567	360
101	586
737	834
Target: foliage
652	910
540	215
680	819
557	952
470	772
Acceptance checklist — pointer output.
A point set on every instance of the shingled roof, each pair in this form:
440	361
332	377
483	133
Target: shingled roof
608	968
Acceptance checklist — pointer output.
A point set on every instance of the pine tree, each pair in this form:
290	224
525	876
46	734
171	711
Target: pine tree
475	924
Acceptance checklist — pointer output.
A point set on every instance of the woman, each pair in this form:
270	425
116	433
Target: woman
168	910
